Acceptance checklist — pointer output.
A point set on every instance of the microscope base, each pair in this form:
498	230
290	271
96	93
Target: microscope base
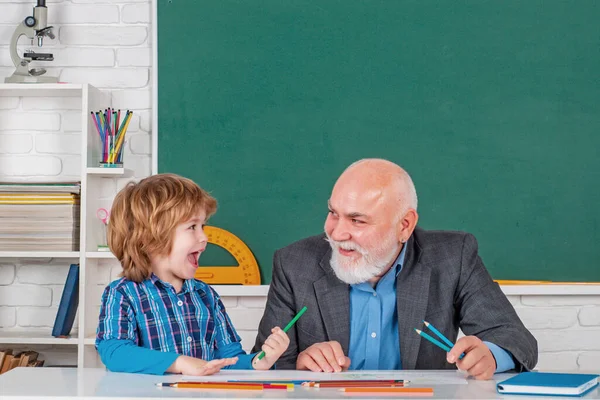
17	78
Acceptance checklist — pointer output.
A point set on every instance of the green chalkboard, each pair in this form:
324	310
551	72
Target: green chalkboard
493	107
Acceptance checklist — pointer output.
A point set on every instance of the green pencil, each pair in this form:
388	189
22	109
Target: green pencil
287	328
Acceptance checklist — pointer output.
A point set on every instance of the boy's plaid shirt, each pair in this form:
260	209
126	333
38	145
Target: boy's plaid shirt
192	323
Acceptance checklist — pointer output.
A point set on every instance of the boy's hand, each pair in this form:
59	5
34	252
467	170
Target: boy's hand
186	365
273	347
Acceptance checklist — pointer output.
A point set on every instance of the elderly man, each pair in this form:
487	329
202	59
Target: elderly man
374	277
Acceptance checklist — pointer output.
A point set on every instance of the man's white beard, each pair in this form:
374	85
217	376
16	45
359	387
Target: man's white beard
365	267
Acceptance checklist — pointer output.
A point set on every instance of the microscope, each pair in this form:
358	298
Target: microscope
33	27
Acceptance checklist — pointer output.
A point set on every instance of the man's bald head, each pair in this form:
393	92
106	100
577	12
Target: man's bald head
382	177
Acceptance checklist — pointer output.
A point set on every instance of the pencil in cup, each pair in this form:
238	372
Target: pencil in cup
287	328
439	344
111	129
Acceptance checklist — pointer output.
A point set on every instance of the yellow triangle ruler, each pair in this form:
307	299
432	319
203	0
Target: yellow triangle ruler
245	273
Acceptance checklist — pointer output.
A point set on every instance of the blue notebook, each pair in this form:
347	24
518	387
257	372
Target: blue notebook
548	383
65	316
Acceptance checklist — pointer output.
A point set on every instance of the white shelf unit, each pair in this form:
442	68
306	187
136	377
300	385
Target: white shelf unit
91	229
34	337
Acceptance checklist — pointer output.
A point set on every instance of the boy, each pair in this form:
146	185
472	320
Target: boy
157	318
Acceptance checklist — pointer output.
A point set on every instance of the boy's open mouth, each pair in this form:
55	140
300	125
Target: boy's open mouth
193	257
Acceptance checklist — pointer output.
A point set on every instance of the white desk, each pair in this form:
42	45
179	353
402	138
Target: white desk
96	384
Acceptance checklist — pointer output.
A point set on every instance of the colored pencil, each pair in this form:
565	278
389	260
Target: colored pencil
275	381
356	382
439	334
287	327
264	384
432	340
285	386
436	342
211	385
387	390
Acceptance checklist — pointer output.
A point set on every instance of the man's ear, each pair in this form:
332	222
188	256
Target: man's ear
407	225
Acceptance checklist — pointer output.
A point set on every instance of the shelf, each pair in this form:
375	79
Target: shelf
90	341
28	337
100	254
41	89
39	254
109	172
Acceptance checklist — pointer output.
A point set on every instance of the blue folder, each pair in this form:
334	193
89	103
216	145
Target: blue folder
65	316
548	383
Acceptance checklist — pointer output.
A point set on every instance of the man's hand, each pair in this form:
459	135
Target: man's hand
478	360
277	342
186	365
323	357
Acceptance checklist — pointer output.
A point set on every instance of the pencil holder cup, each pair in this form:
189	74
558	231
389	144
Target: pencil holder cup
111	165
111	126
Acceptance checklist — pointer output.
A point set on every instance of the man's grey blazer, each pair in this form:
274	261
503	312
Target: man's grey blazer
443	281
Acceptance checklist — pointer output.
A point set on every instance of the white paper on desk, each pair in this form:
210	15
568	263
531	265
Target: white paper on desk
415	377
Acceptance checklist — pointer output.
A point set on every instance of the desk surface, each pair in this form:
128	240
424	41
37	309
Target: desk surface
96	383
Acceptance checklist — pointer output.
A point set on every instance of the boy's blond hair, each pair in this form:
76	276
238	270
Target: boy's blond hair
144	216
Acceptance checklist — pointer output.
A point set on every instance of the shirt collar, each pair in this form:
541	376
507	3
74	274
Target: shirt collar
189	285
389	278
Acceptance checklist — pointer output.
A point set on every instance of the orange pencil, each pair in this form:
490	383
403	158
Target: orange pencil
387	390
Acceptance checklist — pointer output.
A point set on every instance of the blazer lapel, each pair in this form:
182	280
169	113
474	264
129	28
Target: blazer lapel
412	293
333	297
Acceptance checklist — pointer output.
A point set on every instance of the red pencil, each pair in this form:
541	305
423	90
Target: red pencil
387	390
351	381
357	384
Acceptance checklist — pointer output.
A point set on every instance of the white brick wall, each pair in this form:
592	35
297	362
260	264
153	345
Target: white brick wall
108	43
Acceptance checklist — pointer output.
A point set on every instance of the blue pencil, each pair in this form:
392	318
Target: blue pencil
439	334
436	342
432	340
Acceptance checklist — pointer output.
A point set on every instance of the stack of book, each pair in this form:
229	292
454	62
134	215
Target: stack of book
8	360
39	216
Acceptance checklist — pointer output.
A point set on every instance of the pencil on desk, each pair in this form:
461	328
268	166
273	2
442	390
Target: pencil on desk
387	390
212	385
237	384
324	385
282	386
354	382
276	382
